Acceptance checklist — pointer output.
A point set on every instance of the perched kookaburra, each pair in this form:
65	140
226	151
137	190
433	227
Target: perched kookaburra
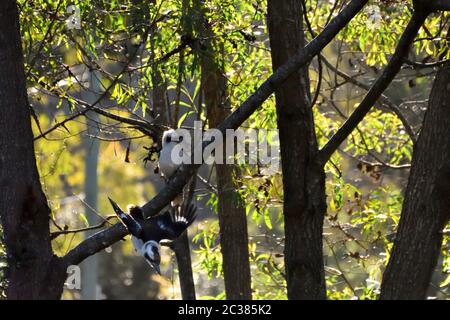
165	226
166	163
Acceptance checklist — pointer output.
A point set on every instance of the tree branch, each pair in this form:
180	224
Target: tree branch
148	128
441	5
56	234
376	90
103	95
383	99
104	239
83	112
420	65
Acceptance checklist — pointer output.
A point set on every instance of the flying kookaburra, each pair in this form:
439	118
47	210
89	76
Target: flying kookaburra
165	226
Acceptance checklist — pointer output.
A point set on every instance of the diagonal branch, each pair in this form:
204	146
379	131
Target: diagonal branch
103	239
148	128
376	90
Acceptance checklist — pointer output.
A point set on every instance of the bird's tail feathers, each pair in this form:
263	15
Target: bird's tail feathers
127	220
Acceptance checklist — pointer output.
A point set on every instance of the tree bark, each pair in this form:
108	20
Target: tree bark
426	208
33	271
233	236
303	180
231	211
184	262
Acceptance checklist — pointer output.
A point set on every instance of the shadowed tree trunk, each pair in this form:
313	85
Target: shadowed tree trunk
303	180
184	262
33	271
231	211
426	209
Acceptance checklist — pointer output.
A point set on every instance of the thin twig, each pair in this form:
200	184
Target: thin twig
376	90
56	234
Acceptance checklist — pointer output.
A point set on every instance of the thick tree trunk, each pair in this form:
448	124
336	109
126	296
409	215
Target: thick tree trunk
233	236
303	180
33	271
232	216
426	209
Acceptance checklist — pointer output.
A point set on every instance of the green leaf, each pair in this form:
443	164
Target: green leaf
267	219
446	282
84	218
183	118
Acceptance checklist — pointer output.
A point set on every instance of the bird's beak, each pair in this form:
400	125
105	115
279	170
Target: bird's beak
157	268
154	266
115	206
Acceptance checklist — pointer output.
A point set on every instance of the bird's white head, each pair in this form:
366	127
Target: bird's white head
151	252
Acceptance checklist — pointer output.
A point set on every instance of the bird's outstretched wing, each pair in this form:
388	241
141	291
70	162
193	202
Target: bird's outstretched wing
127	220
174	224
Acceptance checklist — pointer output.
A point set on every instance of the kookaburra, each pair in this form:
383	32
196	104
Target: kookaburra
165	226
166	163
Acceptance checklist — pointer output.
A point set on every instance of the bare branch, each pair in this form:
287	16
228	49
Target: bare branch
419	65
56	234
146	127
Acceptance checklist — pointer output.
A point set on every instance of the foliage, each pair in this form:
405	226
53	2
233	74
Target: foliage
125	43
